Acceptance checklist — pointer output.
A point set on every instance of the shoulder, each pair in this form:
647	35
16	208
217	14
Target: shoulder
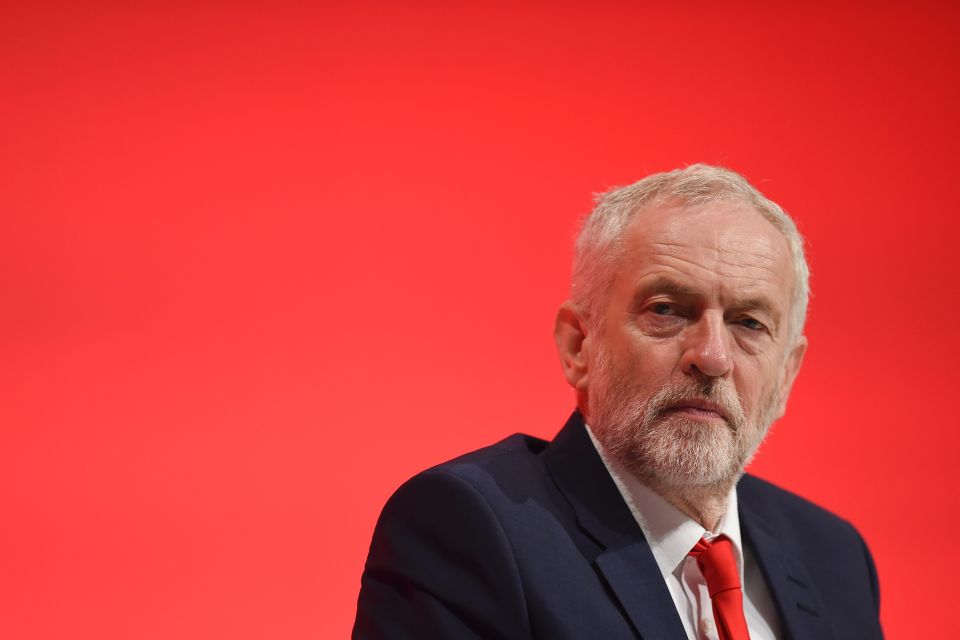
821	550
787	511
831	549
480	482
440	561
515	450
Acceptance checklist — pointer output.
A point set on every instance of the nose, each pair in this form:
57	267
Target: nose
707	348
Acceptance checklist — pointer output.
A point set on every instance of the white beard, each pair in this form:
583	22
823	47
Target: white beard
668	451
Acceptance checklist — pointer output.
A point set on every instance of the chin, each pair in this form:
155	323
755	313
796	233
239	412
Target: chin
680	453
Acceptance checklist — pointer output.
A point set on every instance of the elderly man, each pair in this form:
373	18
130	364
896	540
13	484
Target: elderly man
682	338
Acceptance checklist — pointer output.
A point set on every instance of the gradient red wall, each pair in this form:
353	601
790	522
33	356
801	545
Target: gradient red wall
260	263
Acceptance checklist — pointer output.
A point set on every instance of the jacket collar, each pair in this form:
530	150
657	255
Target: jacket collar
626	561
801	611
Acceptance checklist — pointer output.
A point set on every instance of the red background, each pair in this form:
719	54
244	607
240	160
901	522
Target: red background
260	263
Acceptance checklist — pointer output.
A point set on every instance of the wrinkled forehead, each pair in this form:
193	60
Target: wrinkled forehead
725	238
722	225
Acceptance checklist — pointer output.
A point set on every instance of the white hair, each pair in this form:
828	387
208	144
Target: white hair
600	244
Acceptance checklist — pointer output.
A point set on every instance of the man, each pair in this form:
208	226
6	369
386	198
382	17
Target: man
682	338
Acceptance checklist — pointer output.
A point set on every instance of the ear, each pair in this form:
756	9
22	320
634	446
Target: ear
573	345
790	370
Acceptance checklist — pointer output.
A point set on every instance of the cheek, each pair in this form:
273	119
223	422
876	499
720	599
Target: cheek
760	390
651	361
754	384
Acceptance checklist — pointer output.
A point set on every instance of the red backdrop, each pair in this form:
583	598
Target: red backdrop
260	263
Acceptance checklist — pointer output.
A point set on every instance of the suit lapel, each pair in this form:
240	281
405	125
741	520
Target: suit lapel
626	562
798	603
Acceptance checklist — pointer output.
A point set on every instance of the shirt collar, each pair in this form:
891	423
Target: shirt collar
670	533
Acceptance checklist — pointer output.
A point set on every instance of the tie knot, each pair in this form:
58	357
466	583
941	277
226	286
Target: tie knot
717	564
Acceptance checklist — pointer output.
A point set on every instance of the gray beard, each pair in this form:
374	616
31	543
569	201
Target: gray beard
665	450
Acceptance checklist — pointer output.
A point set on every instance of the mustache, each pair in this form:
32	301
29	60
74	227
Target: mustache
710	391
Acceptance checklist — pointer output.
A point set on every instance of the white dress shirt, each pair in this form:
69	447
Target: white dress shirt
671	535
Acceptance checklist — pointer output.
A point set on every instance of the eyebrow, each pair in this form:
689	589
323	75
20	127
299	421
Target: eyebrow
661	284
664	285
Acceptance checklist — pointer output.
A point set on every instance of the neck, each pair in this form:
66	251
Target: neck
705	505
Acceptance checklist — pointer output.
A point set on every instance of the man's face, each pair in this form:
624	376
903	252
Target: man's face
691	362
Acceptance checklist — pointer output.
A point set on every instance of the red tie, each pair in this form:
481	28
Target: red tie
719	569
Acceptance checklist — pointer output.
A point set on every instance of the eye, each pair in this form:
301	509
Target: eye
752	323
663	309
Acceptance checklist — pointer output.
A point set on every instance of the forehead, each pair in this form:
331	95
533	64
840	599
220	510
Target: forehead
729	247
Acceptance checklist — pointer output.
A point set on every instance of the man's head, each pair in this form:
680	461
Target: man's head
684	331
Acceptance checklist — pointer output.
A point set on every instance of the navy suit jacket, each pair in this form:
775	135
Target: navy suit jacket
529	539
